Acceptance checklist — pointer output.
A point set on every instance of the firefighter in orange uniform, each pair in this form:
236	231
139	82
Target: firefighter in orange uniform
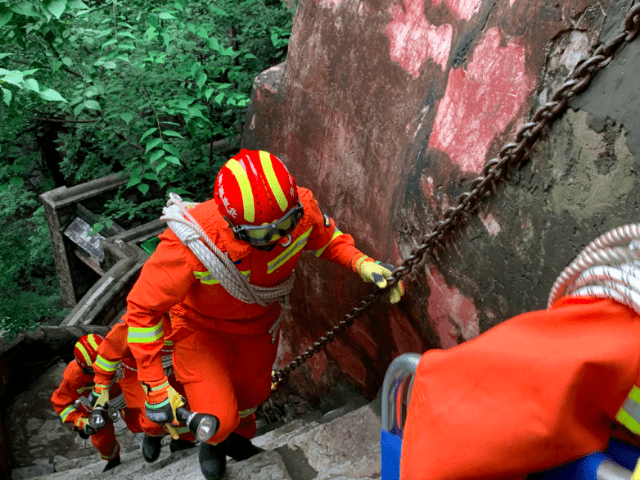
541	389
225	317
114	354
71	401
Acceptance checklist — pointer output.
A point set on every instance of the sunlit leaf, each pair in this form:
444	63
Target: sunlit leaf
24	8
6	18
171	149
51	95
56	7
144	188
156	155
171	133
17	181
92	104
147	133
31	84
127	117
152	144
202	78
6	96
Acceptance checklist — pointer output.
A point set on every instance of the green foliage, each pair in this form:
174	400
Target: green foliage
89	88
30	290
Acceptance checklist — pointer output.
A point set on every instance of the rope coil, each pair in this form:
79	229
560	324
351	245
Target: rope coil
609	267
218	263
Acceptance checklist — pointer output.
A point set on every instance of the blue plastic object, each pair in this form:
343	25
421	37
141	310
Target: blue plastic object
390	446
623	454
583	469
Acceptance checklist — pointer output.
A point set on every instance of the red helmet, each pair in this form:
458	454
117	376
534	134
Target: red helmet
86	350
254	189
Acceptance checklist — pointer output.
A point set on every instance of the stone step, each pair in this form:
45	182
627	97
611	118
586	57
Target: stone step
345	448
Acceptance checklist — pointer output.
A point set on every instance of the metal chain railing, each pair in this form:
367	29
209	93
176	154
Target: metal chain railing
493	171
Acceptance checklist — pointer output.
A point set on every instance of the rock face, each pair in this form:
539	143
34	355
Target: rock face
389	109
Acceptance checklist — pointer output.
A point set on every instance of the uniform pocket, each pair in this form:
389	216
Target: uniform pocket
185	356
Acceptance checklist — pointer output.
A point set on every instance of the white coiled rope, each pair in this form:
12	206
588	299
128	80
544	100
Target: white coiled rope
219	264
609	267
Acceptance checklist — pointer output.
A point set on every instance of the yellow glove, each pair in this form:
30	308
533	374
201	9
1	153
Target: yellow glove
82	425
162	403
99	396
376	272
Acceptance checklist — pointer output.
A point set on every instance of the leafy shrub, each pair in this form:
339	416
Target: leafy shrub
90	88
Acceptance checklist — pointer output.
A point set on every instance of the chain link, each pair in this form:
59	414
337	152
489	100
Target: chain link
493	171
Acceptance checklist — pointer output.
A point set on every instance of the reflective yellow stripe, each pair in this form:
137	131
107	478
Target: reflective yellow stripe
272	179
245	189
168	342
84	389
92	341
106	365
84	353
113	454
247	412
294	248
65	413
629	413
182	430
336	234
208	279
145	334
360	261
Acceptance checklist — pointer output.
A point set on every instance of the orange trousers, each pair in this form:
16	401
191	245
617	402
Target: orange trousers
106	443
134	415
224	374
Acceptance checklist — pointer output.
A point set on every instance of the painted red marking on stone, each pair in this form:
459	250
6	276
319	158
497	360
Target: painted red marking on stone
463	8
447	306
491	224
481	101
413	39
405	336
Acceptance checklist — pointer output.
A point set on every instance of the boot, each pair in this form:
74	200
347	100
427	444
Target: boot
213	461
113	463
177	445
151	448
240	448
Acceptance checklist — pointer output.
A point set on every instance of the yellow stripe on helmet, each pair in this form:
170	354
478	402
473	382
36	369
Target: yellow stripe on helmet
84	353
245	189
272	179
92	341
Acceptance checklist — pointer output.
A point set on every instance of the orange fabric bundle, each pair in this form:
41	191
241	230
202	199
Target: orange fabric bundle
535	392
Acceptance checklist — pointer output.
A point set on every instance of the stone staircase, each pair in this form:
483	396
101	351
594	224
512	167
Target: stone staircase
342	445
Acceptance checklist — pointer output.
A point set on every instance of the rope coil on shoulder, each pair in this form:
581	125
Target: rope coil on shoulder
191	234
609	267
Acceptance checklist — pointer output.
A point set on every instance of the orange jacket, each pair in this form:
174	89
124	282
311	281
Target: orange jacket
75	384
115	349
535	392
174	276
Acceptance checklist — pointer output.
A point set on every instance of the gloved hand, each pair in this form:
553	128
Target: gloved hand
82	425
376	272
162	403
99	396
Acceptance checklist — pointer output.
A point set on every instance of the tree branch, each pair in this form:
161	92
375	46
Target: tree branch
134	145
55	120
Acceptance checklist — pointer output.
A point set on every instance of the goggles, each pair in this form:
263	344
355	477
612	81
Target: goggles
264	234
